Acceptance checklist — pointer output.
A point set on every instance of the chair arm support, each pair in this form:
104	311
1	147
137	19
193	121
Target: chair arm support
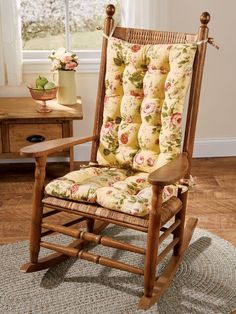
53	146
171	172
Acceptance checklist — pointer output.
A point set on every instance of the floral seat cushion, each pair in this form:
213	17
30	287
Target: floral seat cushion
116	189
81	185
133	195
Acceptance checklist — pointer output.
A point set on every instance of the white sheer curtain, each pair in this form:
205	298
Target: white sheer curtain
146	14
10	43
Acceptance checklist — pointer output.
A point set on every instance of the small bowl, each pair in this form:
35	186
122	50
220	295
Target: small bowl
43	95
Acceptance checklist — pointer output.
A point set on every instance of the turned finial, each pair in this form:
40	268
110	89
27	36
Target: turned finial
110	10
205	18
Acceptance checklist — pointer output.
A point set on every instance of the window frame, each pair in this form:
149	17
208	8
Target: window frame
37	60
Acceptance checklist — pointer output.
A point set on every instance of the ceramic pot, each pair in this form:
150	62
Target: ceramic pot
66	94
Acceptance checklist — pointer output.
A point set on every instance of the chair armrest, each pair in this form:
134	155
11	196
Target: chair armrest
53	146
171	172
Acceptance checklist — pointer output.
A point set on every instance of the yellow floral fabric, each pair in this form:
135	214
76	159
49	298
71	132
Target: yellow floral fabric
132	196
145	91
82	185
117	189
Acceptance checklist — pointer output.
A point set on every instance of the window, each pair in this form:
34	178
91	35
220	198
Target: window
50	24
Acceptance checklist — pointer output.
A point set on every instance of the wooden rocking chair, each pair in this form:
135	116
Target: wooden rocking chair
99	216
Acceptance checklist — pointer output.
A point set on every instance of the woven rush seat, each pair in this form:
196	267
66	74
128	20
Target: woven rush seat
168	210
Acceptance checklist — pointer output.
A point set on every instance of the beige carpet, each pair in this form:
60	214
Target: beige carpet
205	282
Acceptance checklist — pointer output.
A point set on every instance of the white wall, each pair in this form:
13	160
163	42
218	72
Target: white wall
216	129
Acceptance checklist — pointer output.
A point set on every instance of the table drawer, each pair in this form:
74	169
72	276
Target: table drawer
21	135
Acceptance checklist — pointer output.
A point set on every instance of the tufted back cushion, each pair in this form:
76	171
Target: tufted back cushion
145	91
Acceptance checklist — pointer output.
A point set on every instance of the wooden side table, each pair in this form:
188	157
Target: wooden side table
22	125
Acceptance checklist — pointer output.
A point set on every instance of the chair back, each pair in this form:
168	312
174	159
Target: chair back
148	37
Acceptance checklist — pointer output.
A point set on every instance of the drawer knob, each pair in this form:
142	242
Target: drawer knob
35	138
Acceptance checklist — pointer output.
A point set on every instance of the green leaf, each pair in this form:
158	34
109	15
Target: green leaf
117	62
119	56
132	155
164	114
147	60
177	55
118	46
182	62
165	107
118	120
136	76
106	152
107	83
143	66
109	119
131	187
139	85
147	118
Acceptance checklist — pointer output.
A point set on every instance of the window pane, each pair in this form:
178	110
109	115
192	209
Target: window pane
43	24
85	17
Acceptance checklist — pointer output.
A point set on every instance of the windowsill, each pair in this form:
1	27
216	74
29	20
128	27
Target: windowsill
35	61
44	66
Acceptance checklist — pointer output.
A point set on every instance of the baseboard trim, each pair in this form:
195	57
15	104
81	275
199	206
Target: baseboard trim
215	147
207	147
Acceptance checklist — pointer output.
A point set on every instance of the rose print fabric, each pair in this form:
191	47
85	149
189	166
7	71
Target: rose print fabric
117	189
145	91
133	195
82	185
138	205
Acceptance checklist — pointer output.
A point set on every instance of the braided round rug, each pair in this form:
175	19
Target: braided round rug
205	282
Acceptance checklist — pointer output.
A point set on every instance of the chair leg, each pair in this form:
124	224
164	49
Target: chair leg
152	242
164	280
37	211
179	231
90	225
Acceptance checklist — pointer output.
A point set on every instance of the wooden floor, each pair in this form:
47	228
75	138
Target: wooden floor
212	200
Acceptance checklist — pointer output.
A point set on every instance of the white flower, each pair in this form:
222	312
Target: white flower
60	52
56	64
63	60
